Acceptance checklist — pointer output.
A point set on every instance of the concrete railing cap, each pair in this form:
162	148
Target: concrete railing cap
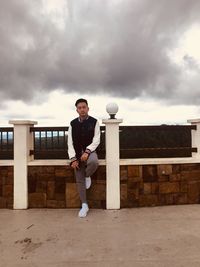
22	122
194	120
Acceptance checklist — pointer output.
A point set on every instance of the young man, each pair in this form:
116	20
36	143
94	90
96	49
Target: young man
83	139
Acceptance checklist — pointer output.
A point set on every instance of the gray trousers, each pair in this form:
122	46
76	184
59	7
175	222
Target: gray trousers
86	169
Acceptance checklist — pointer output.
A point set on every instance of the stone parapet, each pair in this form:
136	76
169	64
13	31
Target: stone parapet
6	187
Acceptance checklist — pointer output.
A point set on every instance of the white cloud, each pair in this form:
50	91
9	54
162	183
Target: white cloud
59	109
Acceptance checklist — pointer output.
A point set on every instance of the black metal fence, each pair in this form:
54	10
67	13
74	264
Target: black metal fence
51	143
156	141
135	142
6	143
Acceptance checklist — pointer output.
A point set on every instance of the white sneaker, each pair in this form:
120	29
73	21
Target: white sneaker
88	182
83	211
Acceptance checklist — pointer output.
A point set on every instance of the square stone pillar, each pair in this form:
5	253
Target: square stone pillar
23	142
112	163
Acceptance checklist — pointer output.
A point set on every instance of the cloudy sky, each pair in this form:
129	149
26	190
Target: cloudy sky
142	54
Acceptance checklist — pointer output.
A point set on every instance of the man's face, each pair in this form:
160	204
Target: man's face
82	109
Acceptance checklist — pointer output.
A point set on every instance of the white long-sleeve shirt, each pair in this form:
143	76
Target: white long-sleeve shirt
91	147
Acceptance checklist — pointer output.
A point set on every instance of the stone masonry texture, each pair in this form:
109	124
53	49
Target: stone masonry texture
140	186
6	187
55	187
156	185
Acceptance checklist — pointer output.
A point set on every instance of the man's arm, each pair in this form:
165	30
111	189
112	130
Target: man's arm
71	151
95	140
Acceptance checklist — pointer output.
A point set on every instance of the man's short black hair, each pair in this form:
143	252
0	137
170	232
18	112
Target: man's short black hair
80	100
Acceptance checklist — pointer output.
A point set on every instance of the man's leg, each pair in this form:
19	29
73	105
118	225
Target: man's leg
92	164
85	171
80	181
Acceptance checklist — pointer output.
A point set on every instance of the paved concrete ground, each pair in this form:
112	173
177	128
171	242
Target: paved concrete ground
157	236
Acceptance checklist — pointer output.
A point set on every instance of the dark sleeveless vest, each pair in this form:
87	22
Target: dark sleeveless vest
82	134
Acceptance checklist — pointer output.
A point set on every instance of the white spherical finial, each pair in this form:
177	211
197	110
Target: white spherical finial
112	109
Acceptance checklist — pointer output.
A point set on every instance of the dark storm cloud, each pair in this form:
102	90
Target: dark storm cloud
117	47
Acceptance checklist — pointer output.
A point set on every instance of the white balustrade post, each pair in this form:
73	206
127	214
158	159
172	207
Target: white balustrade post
195	137
23	142
112	163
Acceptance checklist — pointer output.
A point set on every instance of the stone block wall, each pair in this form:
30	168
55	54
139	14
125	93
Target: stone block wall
156	185
55	187
6	187
140	186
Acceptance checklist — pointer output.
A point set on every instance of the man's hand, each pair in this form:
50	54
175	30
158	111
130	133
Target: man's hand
75	164
84	157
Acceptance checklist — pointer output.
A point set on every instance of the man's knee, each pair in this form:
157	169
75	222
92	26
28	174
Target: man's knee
93	163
